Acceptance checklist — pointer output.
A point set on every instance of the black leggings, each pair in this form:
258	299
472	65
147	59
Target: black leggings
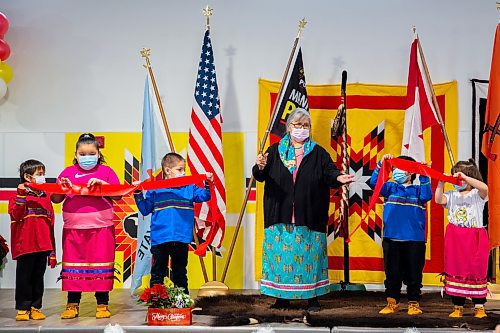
102	297
460	301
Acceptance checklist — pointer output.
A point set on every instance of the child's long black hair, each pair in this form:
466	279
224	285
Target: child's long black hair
89	139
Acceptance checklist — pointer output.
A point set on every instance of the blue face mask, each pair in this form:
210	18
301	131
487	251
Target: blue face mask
399	176
460	187
87	162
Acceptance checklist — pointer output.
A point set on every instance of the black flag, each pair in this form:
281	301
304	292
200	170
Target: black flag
294	95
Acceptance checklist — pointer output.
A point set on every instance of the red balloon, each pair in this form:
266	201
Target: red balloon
4	50
4	24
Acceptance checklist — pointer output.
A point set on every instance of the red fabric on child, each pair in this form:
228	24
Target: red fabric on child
32	227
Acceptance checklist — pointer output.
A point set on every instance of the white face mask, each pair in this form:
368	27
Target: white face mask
299	134
177	175
39	179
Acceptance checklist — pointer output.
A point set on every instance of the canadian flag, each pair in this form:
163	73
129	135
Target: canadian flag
420	111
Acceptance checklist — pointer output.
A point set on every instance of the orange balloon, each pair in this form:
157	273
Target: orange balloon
6	72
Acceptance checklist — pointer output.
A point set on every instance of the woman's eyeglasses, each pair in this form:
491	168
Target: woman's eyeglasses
297	125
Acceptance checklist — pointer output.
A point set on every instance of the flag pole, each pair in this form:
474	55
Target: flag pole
434	101
146	53
344	207
302	24
339	128
202	261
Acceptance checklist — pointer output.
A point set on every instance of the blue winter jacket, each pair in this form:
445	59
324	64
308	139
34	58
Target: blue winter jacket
173	212
405	213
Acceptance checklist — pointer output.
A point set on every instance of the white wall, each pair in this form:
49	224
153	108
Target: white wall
77	65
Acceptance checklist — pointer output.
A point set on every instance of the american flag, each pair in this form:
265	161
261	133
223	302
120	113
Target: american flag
205	145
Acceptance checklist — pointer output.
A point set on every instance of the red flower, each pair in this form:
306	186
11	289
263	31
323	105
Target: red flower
158	290
146	295
163	297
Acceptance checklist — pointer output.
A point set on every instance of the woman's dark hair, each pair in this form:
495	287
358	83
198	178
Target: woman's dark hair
89	139
30	167
468	168
409	158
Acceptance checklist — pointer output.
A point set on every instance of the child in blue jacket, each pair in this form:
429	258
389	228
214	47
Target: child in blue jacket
403	241
172	221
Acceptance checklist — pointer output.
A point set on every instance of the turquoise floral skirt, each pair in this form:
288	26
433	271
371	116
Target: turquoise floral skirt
294	262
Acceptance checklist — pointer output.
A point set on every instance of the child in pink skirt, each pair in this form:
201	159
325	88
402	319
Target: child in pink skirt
466	247
89	233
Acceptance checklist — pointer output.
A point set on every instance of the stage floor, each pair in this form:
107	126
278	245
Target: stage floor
131	317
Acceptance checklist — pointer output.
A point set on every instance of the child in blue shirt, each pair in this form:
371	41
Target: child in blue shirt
172	221
403	241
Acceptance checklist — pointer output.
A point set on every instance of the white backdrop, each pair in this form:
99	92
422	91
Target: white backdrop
77	65
78	61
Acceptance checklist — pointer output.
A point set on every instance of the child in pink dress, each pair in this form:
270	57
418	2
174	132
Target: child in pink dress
89	233
466	247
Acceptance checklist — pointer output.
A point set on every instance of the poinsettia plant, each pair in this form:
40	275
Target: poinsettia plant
160	296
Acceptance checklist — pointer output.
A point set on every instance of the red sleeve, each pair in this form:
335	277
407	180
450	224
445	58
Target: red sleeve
17	207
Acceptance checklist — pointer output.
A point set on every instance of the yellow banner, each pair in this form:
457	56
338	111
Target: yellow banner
375	119
122	152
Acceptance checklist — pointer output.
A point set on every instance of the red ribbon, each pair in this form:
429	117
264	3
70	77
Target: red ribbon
405	165
109	190
215	217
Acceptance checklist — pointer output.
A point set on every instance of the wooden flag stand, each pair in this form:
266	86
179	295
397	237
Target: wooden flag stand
214	287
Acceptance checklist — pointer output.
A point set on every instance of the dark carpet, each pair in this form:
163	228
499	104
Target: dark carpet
356	309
